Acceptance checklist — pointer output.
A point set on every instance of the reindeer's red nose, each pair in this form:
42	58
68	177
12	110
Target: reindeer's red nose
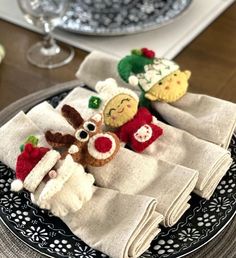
103	144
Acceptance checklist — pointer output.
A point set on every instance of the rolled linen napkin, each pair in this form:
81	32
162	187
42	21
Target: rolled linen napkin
205	117
98	66
62	126
102	221
179	147
133	173
116	224
210	160
35	164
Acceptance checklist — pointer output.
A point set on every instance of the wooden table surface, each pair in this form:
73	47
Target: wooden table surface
211	57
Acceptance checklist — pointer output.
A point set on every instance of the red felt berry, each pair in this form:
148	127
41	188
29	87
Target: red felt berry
103	144
144	50
150	54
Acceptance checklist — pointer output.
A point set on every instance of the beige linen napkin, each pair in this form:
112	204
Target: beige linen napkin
205	117
208	118
117	224
57	121
135	173
179	147
210	160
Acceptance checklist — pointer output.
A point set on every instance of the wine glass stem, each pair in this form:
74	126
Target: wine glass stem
50	47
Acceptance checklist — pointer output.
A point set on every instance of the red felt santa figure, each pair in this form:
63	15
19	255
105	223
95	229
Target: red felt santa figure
32	165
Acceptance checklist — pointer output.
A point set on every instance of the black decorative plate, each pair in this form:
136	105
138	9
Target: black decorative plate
50	236
117	17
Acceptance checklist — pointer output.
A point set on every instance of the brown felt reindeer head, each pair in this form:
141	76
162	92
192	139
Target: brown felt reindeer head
89	145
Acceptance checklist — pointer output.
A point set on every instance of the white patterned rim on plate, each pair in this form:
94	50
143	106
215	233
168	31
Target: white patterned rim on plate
49	235
110	18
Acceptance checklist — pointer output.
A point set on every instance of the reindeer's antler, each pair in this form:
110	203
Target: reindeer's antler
59	140
72	116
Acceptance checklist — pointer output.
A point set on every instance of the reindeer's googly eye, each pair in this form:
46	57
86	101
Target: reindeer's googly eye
82	135
89	126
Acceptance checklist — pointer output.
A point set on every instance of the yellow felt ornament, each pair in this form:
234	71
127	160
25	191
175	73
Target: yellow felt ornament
159	78
120	104
170	88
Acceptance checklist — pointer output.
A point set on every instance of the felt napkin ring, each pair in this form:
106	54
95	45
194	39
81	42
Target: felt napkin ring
32	165
89	145
160	78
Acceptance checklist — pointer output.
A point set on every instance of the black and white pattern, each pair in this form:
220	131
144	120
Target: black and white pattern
48	234
116	17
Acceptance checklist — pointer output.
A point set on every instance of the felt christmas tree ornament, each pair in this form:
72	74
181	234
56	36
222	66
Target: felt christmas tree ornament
159	78
32	165
89	145
120	110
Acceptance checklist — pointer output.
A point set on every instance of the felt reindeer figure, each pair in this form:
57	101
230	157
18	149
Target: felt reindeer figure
89	145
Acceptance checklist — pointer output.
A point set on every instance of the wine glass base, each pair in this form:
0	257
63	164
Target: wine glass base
57	56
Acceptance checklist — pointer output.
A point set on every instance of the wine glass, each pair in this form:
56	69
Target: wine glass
46	14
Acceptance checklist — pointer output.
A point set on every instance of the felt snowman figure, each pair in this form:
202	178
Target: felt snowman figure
160	79
120	110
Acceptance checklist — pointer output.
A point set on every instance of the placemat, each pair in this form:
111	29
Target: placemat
222	246
167	41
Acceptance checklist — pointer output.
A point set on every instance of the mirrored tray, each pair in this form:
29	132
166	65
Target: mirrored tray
119	17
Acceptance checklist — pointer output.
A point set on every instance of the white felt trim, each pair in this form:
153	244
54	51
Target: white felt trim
97	117
144	133
156	72
37	174
85	126
73	149
108	89
96	154
54	185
